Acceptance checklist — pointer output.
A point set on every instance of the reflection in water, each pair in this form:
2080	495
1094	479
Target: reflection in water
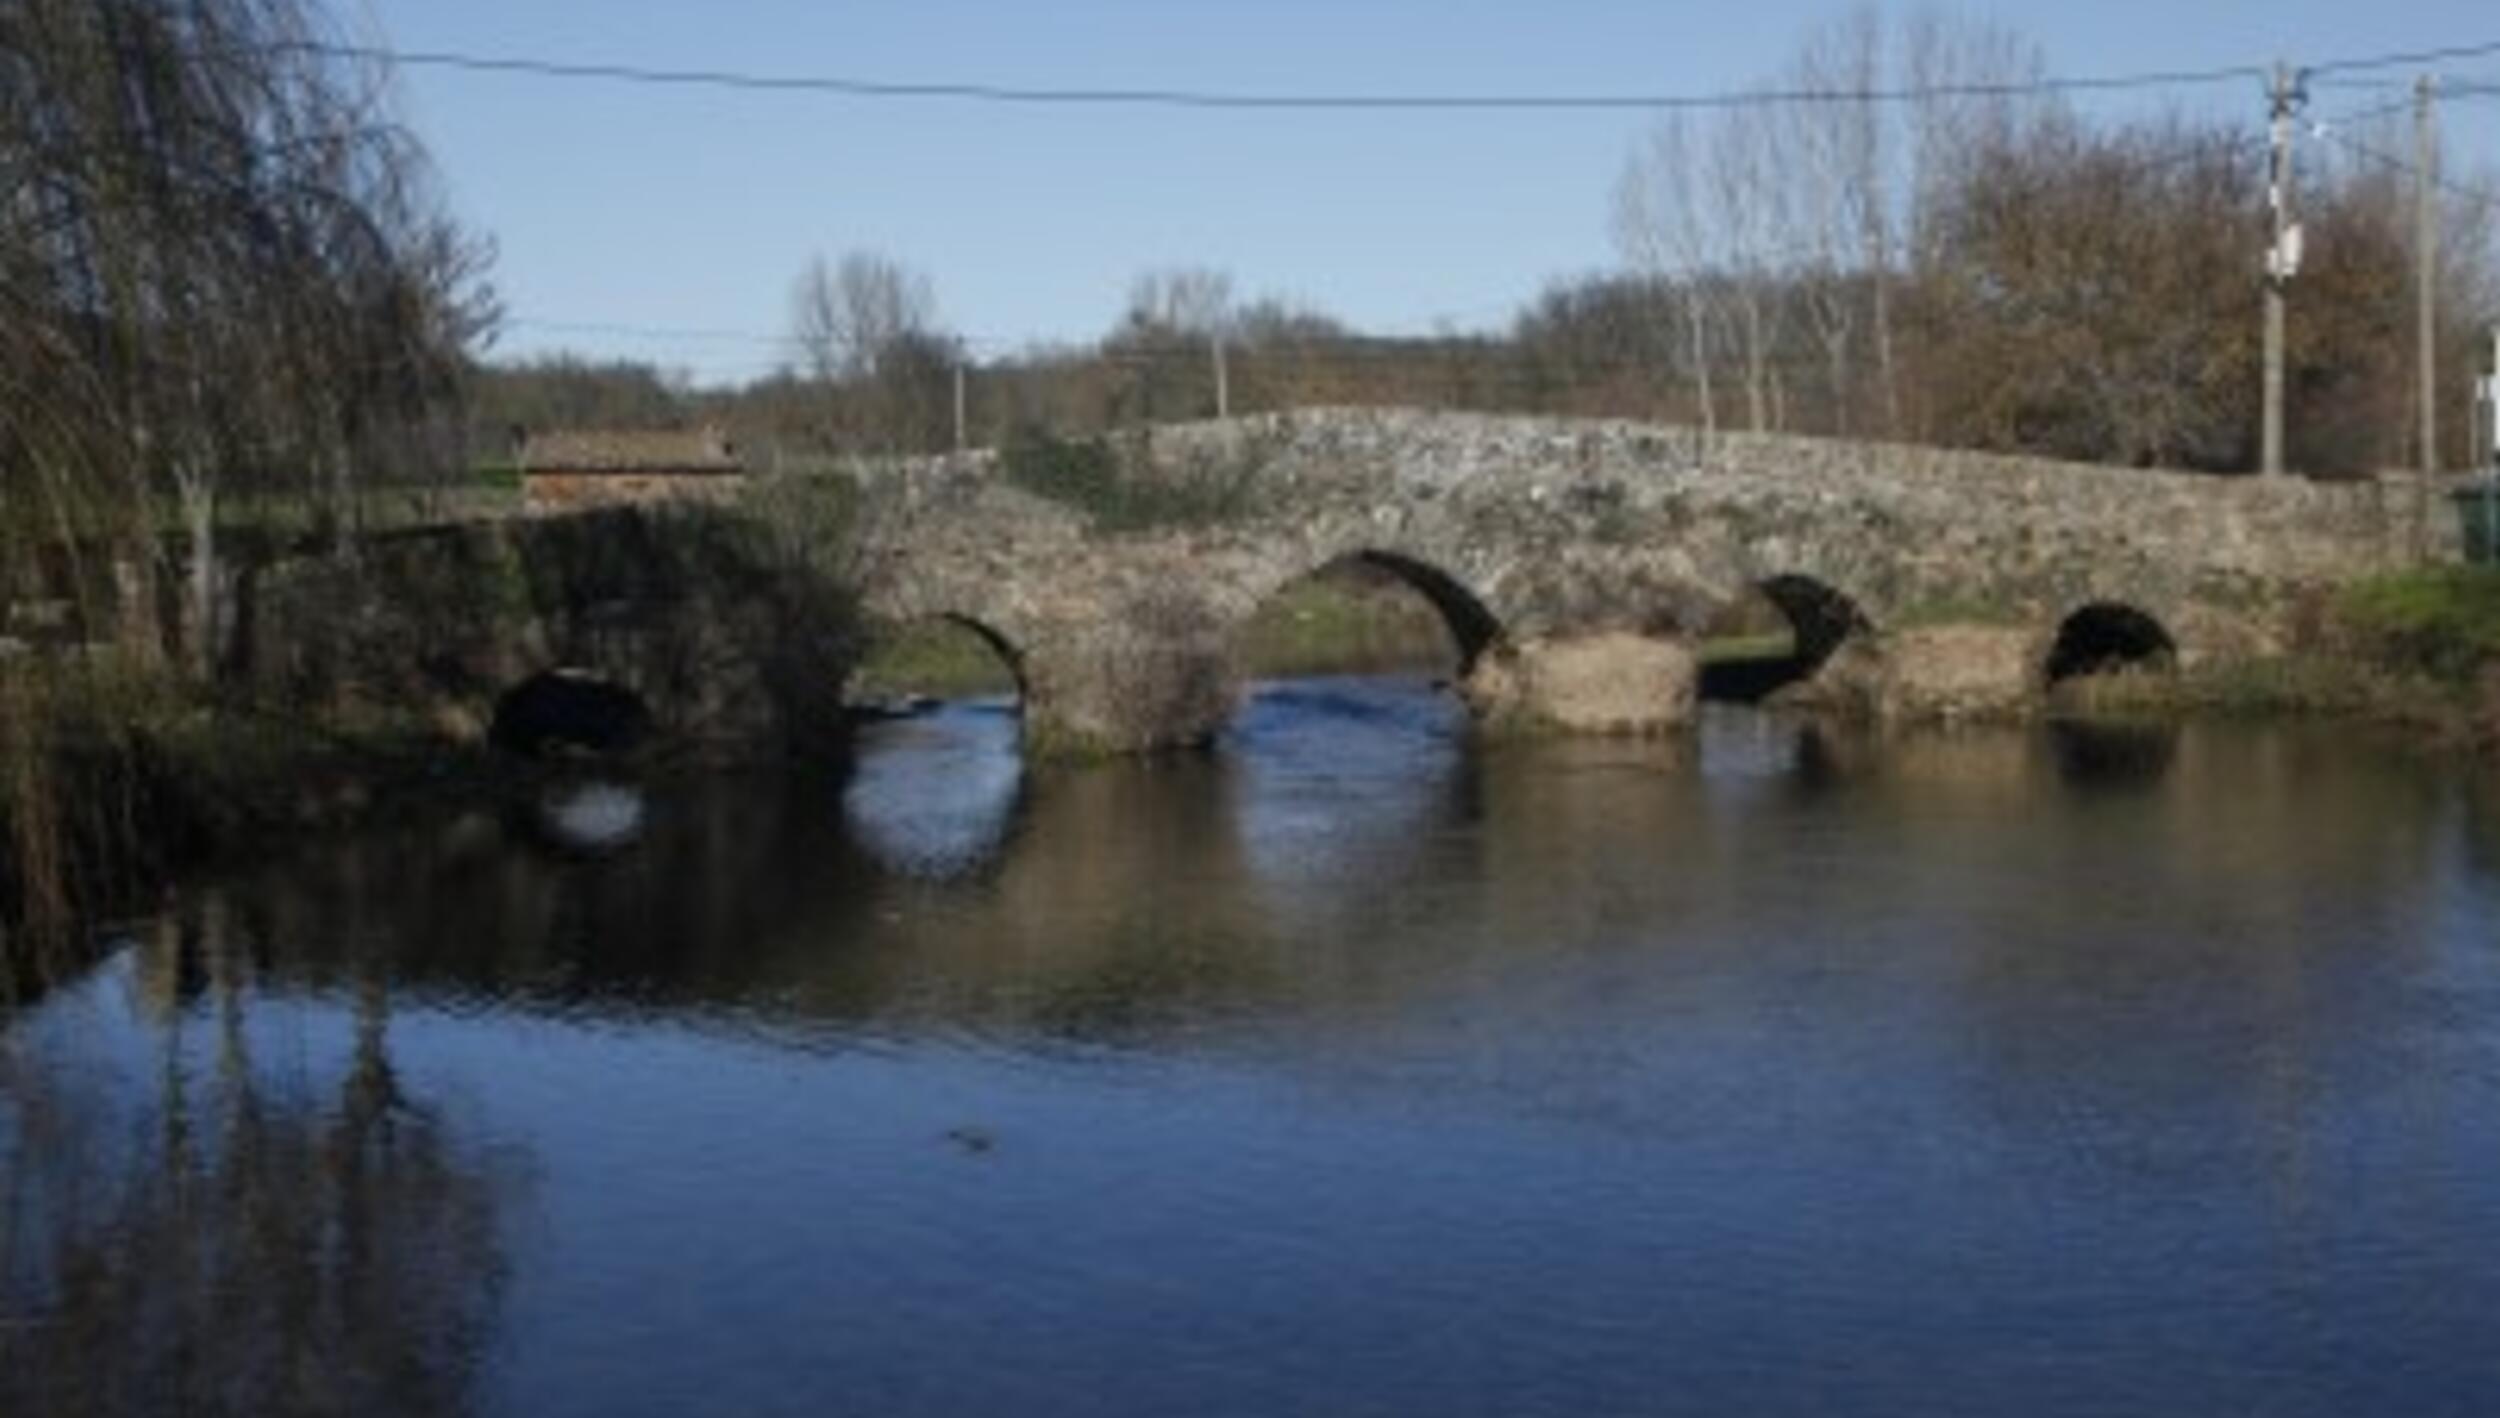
935	794
1360	1067
1341	781
214	1233
592	817
2093	754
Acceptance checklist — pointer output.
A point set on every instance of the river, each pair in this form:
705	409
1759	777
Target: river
1351	1068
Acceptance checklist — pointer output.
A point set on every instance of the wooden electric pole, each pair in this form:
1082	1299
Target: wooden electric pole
1223	378
2282	259
2491	410
959	405
2425	299
2486	549
2426	281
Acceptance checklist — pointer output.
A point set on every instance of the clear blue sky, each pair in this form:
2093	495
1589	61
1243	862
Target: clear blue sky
651	207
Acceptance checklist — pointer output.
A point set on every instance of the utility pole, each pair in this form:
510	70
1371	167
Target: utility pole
2491	408
2491	455
2282	258
1223	378
2426	291
2426	249
959	405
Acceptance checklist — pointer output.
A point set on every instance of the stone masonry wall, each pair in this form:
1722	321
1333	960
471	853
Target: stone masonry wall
1556	531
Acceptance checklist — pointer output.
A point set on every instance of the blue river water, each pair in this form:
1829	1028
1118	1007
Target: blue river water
1354	1067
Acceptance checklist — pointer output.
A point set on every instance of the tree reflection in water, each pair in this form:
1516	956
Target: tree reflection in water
220	1238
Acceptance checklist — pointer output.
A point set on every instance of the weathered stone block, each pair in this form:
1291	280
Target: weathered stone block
1115	694
1959	672
1607	682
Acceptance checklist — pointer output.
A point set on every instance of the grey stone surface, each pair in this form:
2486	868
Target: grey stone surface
1574	561
1538	532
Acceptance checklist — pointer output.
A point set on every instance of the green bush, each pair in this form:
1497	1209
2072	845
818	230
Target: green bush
1123	494
2443	621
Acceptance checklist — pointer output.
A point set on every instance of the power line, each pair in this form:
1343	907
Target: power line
2473	195
852	86
2362	115
847	86
2414	60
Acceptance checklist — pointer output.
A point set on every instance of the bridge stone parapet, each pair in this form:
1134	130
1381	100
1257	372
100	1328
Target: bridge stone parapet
1575	561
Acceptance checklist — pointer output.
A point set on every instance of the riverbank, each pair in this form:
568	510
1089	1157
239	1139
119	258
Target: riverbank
2418	650
113	782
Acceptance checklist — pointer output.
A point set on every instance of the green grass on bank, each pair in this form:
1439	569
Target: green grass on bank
937	658
1748	649
2442	621
1346	622
113	778
2418	648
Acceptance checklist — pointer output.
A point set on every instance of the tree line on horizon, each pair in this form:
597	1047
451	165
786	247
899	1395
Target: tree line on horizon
1982	265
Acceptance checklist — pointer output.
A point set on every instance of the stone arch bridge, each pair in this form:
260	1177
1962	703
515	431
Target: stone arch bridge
1576	563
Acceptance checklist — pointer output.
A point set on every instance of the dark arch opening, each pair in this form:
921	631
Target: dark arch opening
1781	635
569	710
914	665
1473	630
1369	612
2106	637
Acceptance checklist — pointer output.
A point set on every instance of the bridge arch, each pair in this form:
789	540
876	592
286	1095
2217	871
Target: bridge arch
569	708
2104	636
1821	619
1473	627
936	655
1468	628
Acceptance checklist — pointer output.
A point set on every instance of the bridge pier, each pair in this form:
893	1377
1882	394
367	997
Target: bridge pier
1602	682
1125	689
1946	672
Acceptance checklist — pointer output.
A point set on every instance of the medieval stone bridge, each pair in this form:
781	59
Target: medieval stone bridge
1576	563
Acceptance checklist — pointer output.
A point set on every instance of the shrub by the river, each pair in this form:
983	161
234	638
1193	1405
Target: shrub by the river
2443	621
2415	647
113	777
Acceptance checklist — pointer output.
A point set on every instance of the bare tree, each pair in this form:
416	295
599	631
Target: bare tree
1747	195
867	327
1837	153
1662	228
1181	300
849	319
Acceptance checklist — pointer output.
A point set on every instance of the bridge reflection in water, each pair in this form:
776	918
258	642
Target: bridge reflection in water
1334	811
1358	1065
